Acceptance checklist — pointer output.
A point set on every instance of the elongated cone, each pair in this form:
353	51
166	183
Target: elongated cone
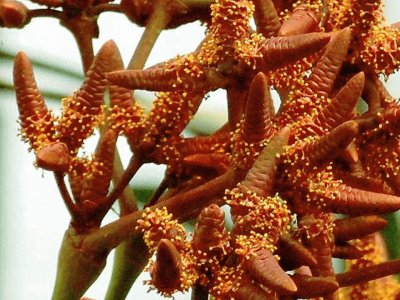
342	106
279	51
90	95
357	227
83	111
293	254
204	144
165	274
327	148
368	273
328	66
264	269
259	111
261	177
302	20
355	202
36	121
310	286
266	18
152	79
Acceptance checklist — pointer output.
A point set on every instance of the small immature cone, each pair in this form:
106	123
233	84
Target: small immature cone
165	274
302	20
13	14
264	269
54	157
210	234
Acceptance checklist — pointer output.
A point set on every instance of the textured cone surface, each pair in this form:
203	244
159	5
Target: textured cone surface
264	268
54	157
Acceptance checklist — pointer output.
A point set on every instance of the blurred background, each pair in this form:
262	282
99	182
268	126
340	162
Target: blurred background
32	215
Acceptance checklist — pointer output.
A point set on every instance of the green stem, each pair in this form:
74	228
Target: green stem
130	259
77	269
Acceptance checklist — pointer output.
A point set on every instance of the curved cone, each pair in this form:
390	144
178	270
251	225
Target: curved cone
264	268
326	148
294	254
260	178
327	68
279	51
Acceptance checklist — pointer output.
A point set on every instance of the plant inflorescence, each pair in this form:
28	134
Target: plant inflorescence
304	183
